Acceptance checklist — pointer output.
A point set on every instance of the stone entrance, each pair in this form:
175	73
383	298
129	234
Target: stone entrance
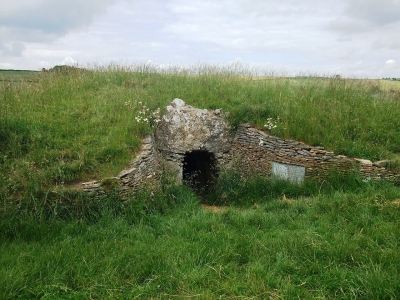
200	170
193	145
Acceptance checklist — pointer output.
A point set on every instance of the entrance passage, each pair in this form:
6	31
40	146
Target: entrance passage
199	171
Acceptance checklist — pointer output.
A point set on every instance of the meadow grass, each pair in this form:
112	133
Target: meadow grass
333	244
16	75
389	85
333	239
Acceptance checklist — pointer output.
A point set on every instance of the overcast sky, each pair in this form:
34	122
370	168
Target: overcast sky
354	38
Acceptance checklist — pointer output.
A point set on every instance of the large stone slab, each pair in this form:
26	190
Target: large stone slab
184	128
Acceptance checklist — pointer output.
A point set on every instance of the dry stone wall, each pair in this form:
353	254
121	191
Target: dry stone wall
143	170
184	129
254	151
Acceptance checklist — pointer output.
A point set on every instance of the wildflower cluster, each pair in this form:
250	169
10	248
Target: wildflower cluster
145	116
271	124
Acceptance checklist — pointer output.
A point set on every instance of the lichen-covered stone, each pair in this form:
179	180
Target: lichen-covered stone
184	128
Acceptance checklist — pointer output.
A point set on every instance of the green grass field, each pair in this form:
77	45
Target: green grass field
16	75
336	245
388	85
335	239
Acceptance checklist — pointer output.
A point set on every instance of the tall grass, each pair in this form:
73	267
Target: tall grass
235	190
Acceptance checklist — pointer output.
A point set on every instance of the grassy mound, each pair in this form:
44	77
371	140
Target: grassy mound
333	239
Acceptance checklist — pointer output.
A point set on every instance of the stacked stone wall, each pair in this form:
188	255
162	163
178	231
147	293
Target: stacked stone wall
254	151
143	170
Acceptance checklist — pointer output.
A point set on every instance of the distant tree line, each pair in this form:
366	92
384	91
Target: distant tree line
62	69
393	78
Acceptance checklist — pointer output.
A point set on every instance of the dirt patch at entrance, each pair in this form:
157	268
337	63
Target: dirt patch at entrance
214	208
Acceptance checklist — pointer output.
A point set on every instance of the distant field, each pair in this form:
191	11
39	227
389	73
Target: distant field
388	85
15	74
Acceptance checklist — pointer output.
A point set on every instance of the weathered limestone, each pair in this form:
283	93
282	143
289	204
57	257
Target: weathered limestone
144	169
254	151
185	130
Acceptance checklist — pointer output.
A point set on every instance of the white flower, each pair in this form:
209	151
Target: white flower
271	124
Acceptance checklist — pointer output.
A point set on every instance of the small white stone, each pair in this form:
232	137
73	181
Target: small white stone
178	103
364	161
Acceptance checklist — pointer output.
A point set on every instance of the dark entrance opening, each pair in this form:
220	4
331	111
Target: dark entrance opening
199	171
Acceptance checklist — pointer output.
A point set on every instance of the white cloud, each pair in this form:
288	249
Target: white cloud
247	28
377	13
69	61
50	17
348	26
365	15
295	36
390	62
12	49
390	69
43	21
6	66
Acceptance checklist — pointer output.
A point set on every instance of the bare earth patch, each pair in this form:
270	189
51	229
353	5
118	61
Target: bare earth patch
396	202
